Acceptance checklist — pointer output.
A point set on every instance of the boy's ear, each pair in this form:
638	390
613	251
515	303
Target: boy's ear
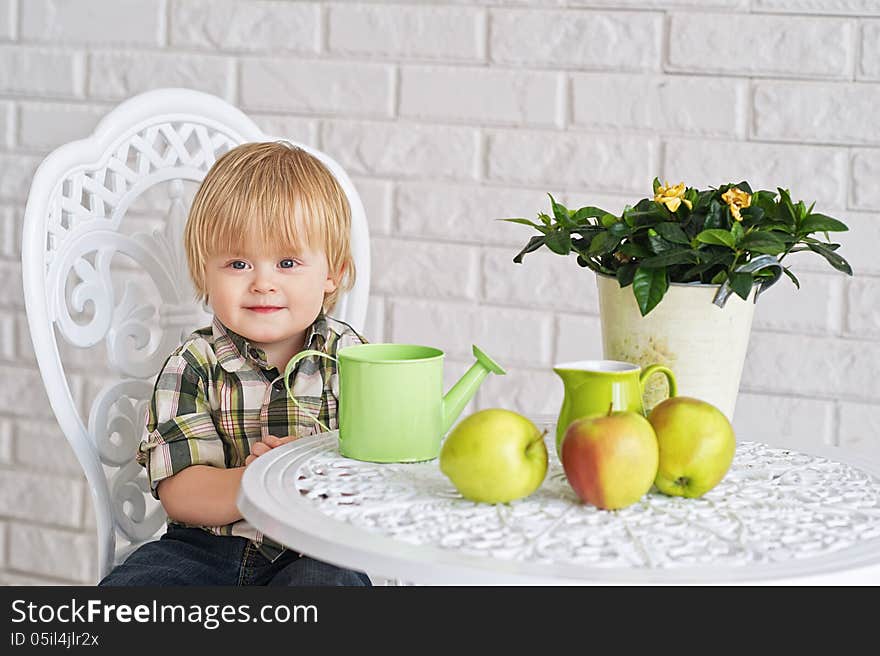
332	282
333	278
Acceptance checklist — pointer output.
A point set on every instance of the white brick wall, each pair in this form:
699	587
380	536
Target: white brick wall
450	115
132	23
317	87
246	26
740	44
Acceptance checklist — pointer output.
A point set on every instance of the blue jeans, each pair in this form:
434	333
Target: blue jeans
191	556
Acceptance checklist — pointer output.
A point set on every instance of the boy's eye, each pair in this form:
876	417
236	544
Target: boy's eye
238	264
287	263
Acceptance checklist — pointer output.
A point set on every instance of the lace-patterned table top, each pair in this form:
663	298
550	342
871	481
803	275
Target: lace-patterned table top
779	516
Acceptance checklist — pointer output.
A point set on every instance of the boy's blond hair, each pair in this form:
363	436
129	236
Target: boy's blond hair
270	195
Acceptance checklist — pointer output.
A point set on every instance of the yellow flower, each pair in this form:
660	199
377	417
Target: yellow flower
671	196
736	200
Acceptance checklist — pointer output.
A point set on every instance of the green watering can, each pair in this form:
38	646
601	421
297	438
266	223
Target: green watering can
391	402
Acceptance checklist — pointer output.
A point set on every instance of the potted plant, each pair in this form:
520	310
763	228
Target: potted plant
678	274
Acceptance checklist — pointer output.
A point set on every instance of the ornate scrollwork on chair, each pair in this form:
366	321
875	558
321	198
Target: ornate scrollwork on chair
138	328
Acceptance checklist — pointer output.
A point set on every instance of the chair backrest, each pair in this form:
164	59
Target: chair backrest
104	269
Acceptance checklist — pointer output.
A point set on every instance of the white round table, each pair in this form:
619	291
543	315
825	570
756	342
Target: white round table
778	517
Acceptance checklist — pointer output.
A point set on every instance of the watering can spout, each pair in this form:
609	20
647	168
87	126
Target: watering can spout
463	391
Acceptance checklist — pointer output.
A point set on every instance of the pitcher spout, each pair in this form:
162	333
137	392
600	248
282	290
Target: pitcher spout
567	375
460	394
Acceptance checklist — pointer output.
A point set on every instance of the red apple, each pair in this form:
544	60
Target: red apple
610	460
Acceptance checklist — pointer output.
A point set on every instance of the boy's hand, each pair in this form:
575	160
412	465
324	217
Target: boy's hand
271	441
258	449
268	443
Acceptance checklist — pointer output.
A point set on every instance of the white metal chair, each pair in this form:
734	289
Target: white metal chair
104	269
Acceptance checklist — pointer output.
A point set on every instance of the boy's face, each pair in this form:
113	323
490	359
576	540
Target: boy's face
269	298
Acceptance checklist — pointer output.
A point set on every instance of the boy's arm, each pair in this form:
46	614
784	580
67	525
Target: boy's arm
185	457
202	495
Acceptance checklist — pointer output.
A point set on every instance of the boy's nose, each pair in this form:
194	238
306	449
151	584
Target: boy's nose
263	286
263	283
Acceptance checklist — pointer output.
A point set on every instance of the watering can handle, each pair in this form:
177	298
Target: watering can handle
289	369
658	369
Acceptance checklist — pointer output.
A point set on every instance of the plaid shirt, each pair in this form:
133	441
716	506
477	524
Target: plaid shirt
216	394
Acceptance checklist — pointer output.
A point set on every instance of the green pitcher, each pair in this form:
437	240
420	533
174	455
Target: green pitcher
391	402
593	387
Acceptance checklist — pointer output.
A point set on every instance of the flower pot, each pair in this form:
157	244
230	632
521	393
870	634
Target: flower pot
703	344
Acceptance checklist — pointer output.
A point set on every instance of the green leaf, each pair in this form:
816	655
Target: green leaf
656	185
597	246
704	199
609	220
635	250
716	218
528	223
741	283
645	218
788	213
625	274
545	219
559	242
619	229
763	242
587	230
794	279
668	258
779	227
821	223
751	215
649	287
585	213
764	199
710	260
833	258
582	244
672	232
534	244
829	245
658	244
716	236
737	231
559	210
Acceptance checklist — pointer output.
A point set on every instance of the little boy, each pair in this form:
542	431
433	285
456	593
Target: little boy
267	242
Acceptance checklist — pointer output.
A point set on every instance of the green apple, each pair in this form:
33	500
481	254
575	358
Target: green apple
696	443
494	456
610	460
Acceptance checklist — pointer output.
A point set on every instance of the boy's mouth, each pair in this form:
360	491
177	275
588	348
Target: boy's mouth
264	309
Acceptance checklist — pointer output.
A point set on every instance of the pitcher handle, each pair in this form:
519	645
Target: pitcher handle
658	369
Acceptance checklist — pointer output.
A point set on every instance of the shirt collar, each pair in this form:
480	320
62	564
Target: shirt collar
233	350
318	333
229	346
